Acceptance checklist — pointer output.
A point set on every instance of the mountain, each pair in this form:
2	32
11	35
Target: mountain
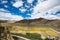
3	21
40	21
55	24
7	21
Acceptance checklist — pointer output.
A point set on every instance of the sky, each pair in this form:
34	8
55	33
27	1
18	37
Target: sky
29	9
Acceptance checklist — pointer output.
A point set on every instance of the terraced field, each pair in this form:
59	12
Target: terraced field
39	30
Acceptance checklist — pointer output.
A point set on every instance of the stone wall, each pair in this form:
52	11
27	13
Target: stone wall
5	34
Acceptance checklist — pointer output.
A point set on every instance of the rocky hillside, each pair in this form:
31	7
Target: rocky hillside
35	22
40	21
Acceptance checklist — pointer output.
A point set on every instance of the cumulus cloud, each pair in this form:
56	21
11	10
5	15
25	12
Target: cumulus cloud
46	5
4	1
18	3
30	1
22	10
3	10
42	8
9	16
48	15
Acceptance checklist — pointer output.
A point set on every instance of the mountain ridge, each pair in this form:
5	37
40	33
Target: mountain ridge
35	22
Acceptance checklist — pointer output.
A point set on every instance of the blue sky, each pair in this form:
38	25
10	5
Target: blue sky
29	9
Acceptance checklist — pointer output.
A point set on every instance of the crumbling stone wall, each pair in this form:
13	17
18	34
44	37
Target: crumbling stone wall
5	34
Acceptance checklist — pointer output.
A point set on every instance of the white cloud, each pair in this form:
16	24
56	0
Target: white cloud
49	15
3	10
27	6
9	16
22	10
5	6
44	6
50	6
54	9
18	3
39	11
30	1
4	1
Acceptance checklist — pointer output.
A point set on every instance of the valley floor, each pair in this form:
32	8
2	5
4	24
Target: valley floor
44	31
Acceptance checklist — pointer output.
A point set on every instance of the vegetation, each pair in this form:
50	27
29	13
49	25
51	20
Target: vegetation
35	36
33	29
